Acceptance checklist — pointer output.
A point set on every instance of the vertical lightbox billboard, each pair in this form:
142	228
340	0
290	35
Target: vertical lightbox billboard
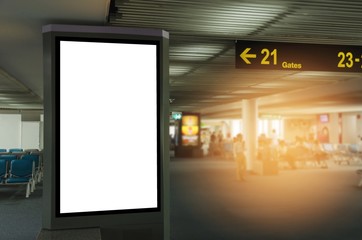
190	130
108	123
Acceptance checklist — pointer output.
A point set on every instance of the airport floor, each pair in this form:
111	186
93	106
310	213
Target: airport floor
207	203
311	203
20	218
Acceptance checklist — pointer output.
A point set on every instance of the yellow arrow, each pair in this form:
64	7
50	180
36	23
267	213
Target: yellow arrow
244	55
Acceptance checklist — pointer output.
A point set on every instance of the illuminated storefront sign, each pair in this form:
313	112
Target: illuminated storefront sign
175	115
190	130
297	56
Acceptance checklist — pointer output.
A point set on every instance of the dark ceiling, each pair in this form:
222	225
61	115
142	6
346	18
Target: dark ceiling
203	77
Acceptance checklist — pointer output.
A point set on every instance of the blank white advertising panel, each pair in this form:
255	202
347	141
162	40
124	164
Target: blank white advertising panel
108	122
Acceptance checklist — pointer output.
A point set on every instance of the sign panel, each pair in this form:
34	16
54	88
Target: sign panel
176	115
97	80
297	56
190	130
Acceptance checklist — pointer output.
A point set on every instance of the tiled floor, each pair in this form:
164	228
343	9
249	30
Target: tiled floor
207	203
20	218
312	203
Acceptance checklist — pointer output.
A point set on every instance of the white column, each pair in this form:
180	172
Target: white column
250	129
334	128
349	128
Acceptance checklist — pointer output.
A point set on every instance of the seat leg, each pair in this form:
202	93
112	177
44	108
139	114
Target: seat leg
27	190
35	178
32	185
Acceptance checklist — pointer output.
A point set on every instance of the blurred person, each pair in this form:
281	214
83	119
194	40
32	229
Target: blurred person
204	148
274	145
300	151
274	138
282	151
239	156
267	153
172	142
220	144
212	144
296	150
319	155
286	154
261	139
228	146
262	144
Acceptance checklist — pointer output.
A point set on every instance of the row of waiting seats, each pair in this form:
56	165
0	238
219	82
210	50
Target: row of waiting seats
347	154
4	151
344	153
25	169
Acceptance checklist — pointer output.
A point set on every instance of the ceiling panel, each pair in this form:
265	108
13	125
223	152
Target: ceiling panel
202	39
15	95
202	54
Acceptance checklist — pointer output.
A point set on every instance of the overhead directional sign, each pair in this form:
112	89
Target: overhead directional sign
298	56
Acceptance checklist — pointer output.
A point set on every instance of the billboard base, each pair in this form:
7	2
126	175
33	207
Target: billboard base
74	234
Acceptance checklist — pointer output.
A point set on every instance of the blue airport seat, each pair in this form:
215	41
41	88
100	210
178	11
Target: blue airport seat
328	148
13	150
31	150
22	172
342	154
2	150
8	159
355	153
31	157
37	166
353	148
3	170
